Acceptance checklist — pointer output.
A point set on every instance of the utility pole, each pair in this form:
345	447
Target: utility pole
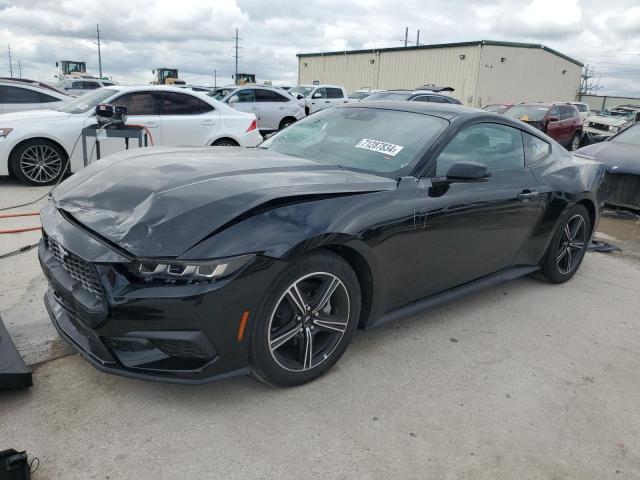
10	64
418	39
215	79
237	38
406	36
19	69
97	36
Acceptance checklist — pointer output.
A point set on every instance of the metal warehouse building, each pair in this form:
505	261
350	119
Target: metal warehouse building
481	72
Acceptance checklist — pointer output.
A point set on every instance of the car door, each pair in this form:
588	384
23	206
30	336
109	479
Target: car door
554	126
471	229
272	107
336	96
318	100
187	120
244	100
142	109
16	99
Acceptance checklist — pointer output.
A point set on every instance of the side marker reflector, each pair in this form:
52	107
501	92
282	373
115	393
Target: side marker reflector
243	325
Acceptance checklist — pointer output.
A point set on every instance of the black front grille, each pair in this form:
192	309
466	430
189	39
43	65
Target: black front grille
179	348
80	270
622	189
599	126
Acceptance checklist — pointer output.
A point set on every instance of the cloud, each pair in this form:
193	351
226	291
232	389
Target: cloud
196	36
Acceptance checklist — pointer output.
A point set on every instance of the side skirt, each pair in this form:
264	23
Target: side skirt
453	294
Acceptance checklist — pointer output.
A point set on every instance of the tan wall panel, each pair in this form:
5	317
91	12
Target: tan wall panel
527	74
399	69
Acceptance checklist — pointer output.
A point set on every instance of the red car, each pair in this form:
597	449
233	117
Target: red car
561	121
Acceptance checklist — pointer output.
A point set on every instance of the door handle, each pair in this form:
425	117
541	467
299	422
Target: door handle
527	195
327	101
208	122
151	124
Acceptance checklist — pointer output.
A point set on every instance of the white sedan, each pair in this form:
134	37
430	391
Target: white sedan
36	146
16	96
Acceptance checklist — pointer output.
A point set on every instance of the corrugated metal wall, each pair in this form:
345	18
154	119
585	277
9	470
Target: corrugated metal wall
398	69
476	73
527	74
600	102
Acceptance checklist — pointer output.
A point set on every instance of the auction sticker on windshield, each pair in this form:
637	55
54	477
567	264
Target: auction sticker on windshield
380	147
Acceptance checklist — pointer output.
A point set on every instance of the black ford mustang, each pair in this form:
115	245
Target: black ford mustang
192	264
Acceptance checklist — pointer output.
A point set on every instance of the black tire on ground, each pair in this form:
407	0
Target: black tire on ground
574	143
38	162
563	257
285	122
224	142
277	317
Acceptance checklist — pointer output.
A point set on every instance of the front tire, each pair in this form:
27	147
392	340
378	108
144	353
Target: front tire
568	246
38	162
306	320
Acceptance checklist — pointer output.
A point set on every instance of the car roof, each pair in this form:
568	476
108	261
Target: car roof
322	85
543	104
135	88
447	111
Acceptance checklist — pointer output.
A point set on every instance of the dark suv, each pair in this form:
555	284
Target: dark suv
561	121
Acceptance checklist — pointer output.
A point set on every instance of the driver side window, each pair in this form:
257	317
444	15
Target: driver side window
498	146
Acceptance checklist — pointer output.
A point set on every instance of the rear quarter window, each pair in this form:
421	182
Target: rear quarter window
535	149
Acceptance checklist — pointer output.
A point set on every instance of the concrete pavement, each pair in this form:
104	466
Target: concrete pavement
523	381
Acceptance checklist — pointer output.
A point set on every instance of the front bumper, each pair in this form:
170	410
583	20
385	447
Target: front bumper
172	333
596	135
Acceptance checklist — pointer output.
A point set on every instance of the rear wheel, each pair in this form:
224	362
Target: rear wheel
224	142
568	247
306	320
574	144
38	162
286	122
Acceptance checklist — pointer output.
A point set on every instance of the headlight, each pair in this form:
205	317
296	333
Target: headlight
188	271
614	129
4	132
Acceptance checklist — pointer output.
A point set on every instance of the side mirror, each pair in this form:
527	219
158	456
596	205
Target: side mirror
552	119
233	100
300	97
468	171
317	95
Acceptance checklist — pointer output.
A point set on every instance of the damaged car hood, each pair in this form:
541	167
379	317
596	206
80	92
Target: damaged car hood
159	202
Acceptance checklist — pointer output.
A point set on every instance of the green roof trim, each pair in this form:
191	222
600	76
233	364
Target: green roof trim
448	45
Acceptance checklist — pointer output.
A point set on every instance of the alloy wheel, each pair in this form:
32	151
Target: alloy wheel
575	142
572	244
41	163
308	321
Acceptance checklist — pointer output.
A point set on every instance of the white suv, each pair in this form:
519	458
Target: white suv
318	97
274	108
583	110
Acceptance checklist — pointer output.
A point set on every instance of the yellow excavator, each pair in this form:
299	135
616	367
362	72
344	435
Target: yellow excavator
167	76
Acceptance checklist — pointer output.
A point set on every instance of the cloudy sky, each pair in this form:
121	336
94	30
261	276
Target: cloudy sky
196	36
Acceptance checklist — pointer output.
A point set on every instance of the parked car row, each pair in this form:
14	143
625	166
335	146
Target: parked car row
37	146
